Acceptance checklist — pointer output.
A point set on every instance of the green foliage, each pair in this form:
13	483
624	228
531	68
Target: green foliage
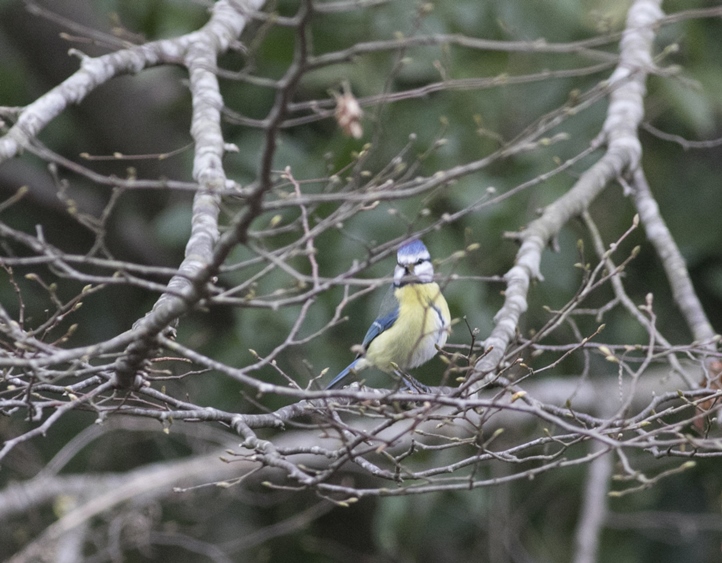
433	132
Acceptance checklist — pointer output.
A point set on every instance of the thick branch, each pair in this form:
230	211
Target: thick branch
625	112
673	262
594	508
186	288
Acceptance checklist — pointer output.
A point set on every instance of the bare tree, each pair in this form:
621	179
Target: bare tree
504	408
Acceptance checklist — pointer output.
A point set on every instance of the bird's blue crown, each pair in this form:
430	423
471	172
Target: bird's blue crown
412	248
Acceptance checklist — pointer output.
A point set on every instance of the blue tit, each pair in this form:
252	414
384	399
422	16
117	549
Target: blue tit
414	319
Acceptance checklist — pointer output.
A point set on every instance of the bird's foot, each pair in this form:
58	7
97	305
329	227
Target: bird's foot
413	384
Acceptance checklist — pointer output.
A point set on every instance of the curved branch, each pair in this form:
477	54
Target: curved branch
625	112
186	287
93	72
673	262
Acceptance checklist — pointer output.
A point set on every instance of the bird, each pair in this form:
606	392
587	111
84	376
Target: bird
413	322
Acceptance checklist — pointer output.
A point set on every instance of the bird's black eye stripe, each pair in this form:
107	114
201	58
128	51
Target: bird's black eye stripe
418	261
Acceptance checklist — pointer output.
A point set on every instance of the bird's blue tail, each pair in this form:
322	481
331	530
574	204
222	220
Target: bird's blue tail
340	377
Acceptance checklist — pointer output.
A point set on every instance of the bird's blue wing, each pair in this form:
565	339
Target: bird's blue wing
388	313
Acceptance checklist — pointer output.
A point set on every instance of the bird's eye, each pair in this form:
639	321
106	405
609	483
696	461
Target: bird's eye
420	261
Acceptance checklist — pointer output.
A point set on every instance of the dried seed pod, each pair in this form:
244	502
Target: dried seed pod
348	113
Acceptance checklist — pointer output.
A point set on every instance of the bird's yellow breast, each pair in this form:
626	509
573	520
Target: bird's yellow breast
424	322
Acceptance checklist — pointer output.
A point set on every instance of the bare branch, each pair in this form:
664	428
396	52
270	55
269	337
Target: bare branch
625	113
668	251
199	52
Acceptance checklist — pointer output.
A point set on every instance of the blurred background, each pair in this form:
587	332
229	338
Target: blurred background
147	115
